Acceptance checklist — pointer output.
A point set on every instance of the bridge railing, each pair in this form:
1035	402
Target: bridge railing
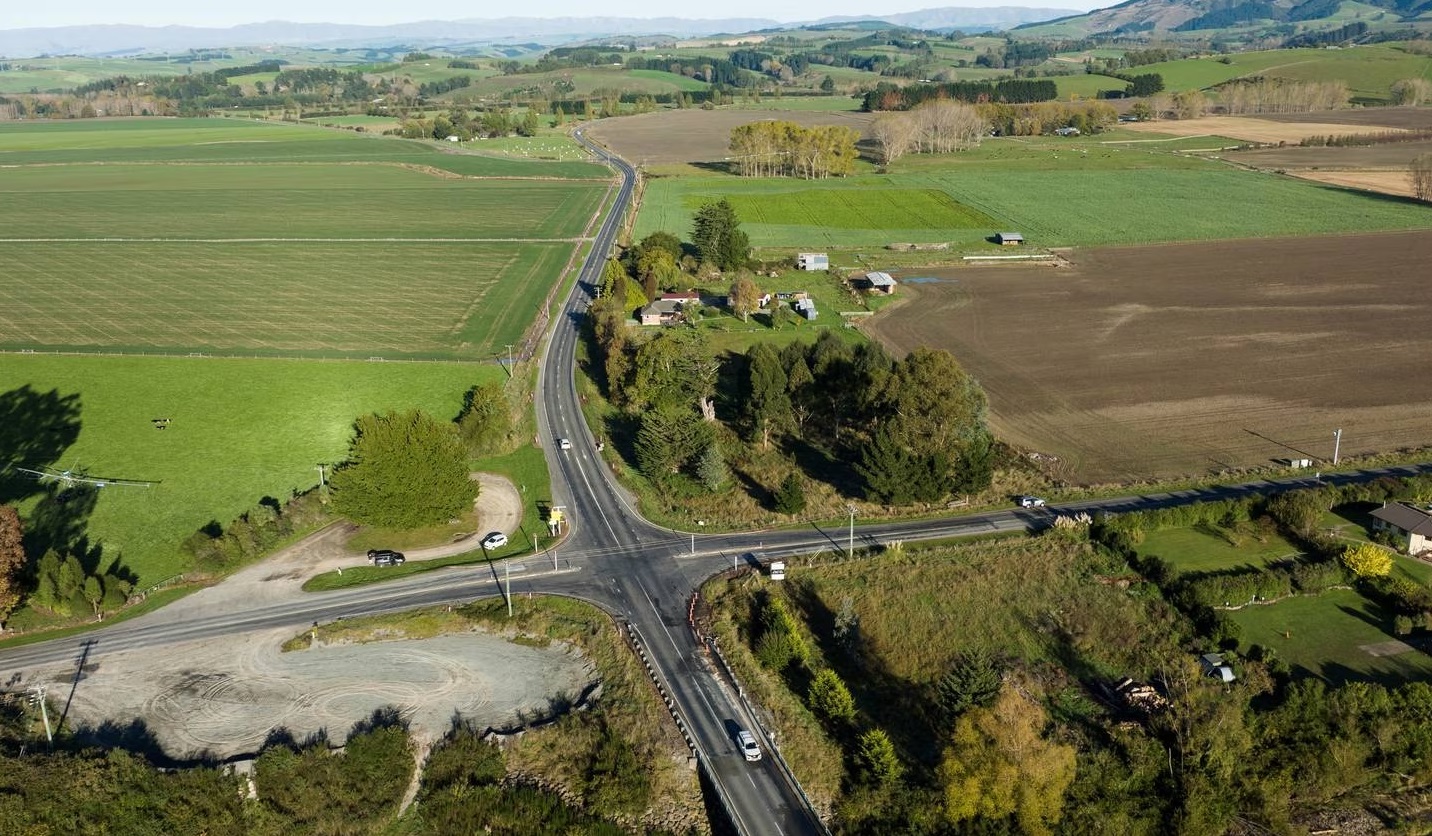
710	643
634	639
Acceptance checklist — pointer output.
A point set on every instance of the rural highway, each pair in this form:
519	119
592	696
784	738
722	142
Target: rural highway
641	573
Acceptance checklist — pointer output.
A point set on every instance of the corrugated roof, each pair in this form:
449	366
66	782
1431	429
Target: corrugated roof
1405	517
880	279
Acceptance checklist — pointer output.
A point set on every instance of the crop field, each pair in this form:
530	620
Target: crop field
239	430
285	201
700	136
300	256
393	300
243	140
1411	118
1170	360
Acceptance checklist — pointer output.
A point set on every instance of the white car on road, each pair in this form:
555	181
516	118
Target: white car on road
564	443
749	747
495	540
1031	502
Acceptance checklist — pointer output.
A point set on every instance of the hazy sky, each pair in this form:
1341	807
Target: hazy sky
27	13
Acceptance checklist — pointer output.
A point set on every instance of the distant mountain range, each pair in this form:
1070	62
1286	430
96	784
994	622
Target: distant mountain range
120	39
1205	18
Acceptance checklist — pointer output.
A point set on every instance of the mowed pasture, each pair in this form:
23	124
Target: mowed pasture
1057	197
239	430
285	200
392	299
1163	361
300	254
245	140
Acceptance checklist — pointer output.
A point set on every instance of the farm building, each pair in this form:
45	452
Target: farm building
1212	664
812	261
684	297
661	312
1008	239
1412	526
805	307
880	282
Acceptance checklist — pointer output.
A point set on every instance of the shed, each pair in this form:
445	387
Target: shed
1212	664
1008	239
805	307
1413	526
881	282
812	261
685	296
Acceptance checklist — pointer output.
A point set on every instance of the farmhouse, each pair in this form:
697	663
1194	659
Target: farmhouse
1412	526
812	261
661	312
1008	239
880	282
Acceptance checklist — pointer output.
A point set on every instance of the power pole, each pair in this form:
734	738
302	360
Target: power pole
509	359
1337	445
507	570
850	546
39	699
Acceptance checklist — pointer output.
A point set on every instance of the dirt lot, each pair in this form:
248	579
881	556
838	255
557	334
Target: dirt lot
222	699
1190	358
1382	182
1391	155
1254	129
224	696
698	136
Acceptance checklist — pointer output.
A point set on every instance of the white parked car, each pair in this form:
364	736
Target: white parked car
564	443
495	540
1031	502
749	747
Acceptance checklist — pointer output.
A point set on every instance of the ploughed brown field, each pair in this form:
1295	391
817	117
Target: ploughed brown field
1167	360
700	136
1409	118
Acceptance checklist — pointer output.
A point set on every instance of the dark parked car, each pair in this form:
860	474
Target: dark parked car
385	557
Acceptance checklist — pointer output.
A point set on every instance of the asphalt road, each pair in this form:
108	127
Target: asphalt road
614	558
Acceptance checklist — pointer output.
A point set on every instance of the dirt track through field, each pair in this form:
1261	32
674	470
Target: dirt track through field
1192	358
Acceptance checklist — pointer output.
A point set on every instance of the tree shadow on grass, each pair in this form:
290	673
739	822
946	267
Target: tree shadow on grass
35	430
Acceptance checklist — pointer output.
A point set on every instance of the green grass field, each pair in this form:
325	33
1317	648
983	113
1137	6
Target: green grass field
1191	550
248	140
1368	70
393	300
239	430
300	255
1324	635
284	200
1086	85
1055	196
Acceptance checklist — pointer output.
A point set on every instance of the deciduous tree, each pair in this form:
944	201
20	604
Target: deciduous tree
999	764
1419	177
745	297
404	470
1367	560
12	561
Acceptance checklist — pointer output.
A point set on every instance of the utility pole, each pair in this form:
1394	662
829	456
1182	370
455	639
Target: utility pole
509	359
850	546
507	570
1337	445
39	699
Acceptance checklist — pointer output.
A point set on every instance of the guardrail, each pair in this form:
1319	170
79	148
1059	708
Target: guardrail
710	643
634	640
